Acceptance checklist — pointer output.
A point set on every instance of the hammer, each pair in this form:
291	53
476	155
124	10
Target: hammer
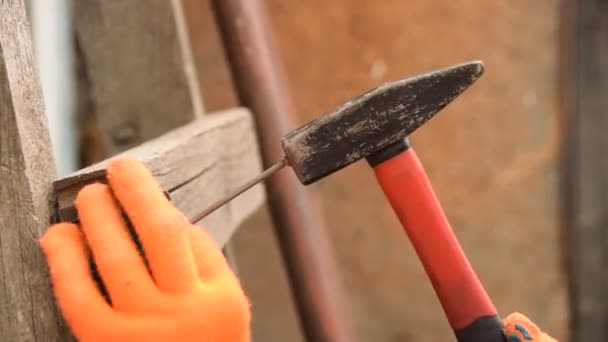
375	126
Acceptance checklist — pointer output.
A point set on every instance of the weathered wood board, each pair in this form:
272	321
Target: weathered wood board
137	76
139	70
196	164
27	307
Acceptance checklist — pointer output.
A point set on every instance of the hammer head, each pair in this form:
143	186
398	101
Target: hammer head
373	121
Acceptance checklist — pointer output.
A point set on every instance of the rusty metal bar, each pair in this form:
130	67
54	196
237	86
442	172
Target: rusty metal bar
297	219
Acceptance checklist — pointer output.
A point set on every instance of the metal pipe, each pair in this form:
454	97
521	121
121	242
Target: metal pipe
297	218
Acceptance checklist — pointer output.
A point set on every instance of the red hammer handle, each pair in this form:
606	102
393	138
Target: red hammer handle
469	310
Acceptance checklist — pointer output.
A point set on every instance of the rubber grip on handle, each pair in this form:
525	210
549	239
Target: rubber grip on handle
466	304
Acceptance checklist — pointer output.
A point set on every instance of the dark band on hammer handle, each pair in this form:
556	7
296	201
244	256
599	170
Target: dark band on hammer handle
483	329
469	310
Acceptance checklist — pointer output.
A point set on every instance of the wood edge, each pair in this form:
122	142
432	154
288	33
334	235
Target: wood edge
65	193
96	171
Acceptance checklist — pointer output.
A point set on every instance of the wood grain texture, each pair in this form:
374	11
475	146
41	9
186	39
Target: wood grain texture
138	77
139	68
27	307
196	164
588	167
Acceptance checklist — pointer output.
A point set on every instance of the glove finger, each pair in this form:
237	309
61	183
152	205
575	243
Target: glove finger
159	225
210	261
121	267
519	328
81	303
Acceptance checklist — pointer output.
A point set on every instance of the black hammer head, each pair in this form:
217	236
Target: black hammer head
373	120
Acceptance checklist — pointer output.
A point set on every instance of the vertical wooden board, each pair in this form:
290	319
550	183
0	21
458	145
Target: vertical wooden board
588	168
139	76
138	68
27	308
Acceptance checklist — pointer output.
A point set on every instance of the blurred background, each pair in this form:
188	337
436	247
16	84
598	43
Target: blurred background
493	155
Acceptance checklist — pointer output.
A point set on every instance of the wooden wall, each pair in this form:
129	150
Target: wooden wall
492	156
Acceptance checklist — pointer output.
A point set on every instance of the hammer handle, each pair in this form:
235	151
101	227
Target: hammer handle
468	308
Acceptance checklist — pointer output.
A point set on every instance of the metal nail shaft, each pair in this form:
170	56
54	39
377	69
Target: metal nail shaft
271	170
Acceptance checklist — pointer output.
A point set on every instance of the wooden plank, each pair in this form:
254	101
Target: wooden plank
113	36
196	164
107	51
139	68
587	162
27	308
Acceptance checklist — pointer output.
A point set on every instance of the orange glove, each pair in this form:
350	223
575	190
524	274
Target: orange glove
518	328
191	293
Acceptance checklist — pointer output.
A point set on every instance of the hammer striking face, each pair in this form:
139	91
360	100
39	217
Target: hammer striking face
373	120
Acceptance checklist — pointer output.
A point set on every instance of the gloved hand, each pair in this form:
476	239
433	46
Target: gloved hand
518	328
191	294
